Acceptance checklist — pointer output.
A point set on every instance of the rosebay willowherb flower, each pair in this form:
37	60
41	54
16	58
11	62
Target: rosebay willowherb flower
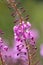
22	32
14	56
24	49
18	55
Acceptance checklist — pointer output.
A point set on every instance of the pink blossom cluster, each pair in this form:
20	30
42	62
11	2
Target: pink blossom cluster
3	49
15	55
2	45
21	52
18	54
22	32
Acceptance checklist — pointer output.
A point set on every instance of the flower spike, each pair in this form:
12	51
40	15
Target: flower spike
24	49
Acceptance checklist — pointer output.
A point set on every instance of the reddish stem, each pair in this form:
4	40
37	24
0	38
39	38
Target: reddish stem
1	58
13	4
28	52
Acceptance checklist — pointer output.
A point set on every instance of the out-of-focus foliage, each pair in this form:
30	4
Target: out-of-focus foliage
38	0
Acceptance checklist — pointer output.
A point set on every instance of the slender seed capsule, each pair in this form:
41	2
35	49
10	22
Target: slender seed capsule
27	15
22	8
23	11
16	21
26	18
13	14
19	3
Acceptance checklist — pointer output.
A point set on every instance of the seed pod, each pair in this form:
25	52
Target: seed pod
16	21
26	18
1	32
22	8
27	15
13	14
19	3
23	11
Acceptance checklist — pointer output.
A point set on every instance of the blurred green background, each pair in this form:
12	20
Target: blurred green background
33	7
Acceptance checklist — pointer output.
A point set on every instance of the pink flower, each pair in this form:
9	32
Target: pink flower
22	32
21	52
33	36
14	55
41	50
18	53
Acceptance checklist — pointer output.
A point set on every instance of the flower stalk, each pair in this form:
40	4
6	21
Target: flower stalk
24	40
13	4
28	46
